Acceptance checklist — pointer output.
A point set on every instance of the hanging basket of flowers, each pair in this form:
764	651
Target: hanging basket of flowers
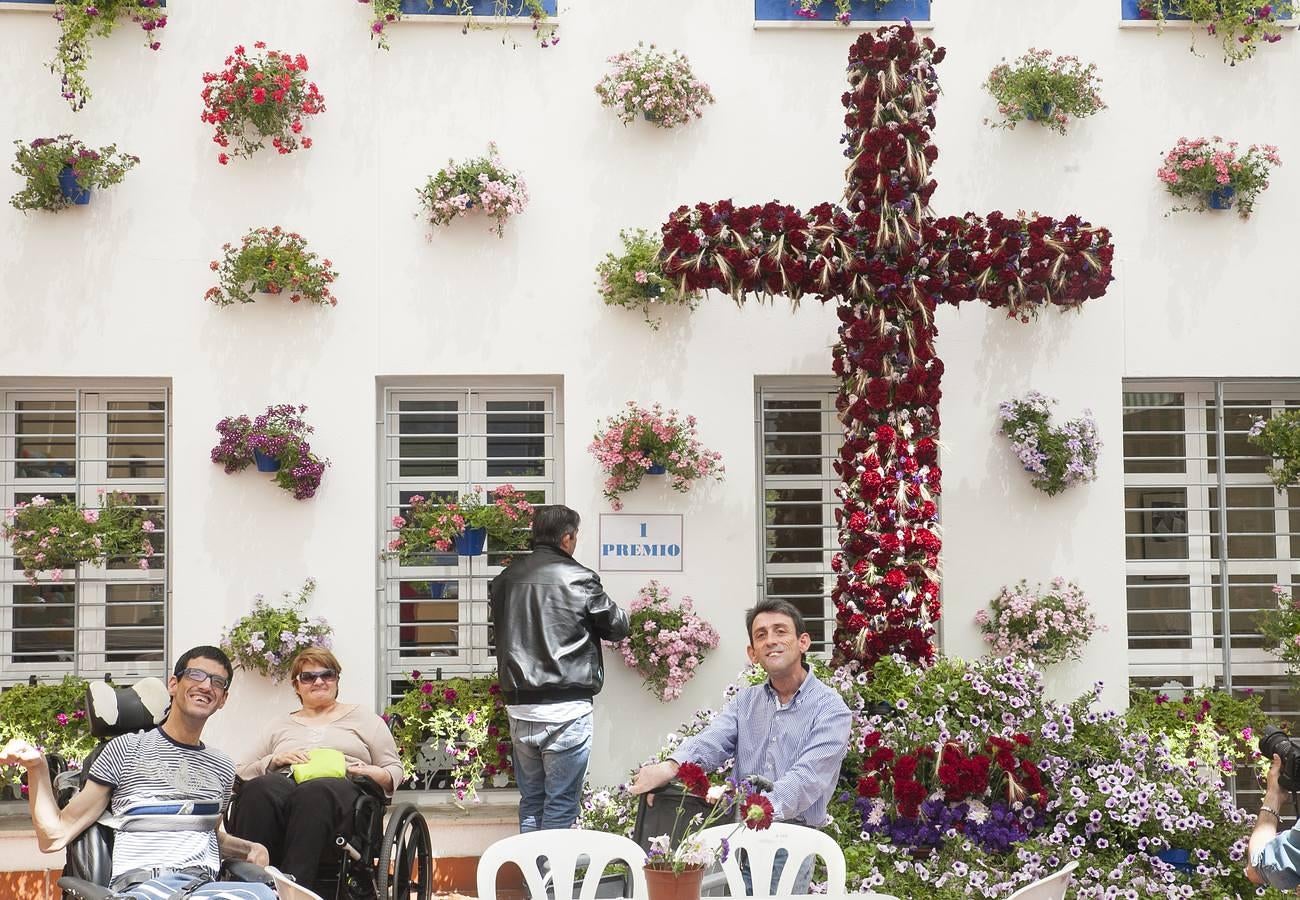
275	441
62	171
260	99
389	12
271	261
635	278
660	88
1058	458
462	525
79	21
1042	626
667	643
639	442
1040	88
1210	173
271	635
52	535
811	9
1240	25
473	186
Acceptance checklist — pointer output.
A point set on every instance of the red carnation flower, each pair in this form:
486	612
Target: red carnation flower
756	812
693	779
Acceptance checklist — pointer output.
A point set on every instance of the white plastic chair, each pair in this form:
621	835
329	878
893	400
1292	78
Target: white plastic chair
561	847
761	846
1053	887
288	889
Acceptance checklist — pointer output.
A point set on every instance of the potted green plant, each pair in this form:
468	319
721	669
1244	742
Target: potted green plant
275	441
80	20
1279	437
464	524
1213	174
271	261
51	535
1240	25
1044	89
473	185
271	635
635	278
62	171
463	718
49	716
387	12
659	87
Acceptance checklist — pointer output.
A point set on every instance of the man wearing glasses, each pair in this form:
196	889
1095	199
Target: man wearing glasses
167	764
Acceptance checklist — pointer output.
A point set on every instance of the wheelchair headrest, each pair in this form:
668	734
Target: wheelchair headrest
116	710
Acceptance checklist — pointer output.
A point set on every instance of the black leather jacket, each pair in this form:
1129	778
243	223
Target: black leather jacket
550	614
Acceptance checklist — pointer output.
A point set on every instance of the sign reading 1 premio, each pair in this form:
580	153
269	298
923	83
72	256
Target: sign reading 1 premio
631	543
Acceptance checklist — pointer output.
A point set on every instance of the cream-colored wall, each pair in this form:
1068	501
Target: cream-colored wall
115	289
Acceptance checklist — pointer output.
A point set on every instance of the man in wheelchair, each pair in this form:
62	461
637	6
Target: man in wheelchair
164	791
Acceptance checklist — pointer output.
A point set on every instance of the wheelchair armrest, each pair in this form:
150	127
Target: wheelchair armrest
370	786
243	870
80	889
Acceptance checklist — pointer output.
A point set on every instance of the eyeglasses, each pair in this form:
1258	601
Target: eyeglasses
329	676
220	682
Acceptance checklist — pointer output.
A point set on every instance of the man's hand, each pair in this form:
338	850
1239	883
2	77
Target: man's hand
258	855
649	778
1274	796
291	758
21	753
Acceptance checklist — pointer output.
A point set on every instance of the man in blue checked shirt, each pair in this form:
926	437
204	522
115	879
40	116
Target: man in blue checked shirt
792	730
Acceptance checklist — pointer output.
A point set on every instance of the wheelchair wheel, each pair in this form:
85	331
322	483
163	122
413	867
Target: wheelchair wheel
405	859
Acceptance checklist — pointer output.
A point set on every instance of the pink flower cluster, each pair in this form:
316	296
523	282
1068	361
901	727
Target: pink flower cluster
1043	626
638	438
1197	166
668	641
482	183
660	87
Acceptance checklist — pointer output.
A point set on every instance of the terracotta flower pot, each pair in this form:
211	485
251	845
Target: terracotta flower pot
665	884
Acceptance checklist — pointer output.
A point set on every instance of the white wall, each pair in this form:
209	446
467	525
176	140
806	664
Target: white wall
116	289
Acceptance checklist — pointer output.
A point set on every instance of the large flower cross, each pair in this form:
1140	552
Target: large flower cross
888	262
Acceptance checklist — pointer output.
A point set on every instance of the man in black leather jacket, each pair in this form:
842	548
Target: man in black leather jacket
550	614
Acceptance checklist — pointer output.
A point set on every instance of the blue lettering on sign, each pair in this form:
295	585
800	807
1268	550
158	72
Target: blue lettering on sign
641	549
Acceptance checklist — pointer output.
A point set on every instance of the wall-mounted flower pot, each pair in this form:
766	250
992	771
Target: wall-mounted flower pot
264	462
69	188
1220	198
656	469
470	542
1040	113
1179	859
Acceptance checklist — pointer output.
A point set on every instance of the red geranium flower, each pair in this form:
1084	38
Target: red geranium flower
693	779
756	812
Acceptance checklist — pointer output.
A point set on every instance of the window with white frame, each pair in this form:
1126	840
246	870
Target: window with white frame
441	441
798	437
1191	476
77	442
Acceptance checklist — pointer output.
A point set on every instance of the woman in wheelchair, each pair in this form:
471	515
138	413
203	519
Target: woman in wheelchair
302	785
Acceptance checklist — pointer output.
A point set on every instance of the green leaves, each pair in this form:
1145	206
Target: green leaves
41	161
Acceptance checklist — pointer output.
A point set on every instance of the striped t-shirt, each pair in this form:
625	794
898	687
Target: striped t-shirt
150	767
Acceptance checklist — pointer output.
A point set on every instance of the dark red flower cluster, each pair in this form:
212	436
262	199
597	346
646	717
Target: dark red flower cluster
260	98
888	263
693	779
756	812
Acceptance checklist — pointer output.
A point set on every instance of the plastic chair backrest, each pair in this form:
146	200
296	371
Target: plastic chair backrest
1053	887
288	889
761	846
562	847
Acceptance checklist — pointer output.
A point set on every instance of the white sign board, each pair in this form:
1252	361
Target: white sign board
632	543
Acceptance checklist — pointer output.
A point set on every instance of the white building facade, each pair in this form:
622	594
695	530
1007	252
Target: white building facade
459	359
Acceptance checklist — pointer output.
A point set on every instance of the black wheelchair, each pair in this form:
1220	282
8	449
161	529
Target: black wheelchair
114	711
374	862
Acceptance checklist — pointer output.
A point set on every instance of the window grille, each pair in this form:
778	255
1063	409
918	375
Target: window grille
74	442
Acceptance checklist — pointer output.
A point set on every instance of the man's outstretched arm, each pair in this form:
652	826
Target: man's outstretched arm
55	827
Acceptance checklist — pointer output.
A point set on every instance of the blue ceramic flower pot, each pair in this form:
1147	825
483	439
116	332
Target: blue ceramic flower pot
1041	114
470	542
437	589
69	188
1220	198
264	462
1179	859
656	469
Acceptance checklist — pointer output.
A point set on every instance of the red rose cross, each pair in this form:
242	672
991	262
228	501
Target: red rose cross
888	262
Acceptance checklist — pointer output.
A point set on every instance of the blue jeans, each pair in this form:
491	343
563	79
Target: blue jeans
802	879
164	886
550	761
